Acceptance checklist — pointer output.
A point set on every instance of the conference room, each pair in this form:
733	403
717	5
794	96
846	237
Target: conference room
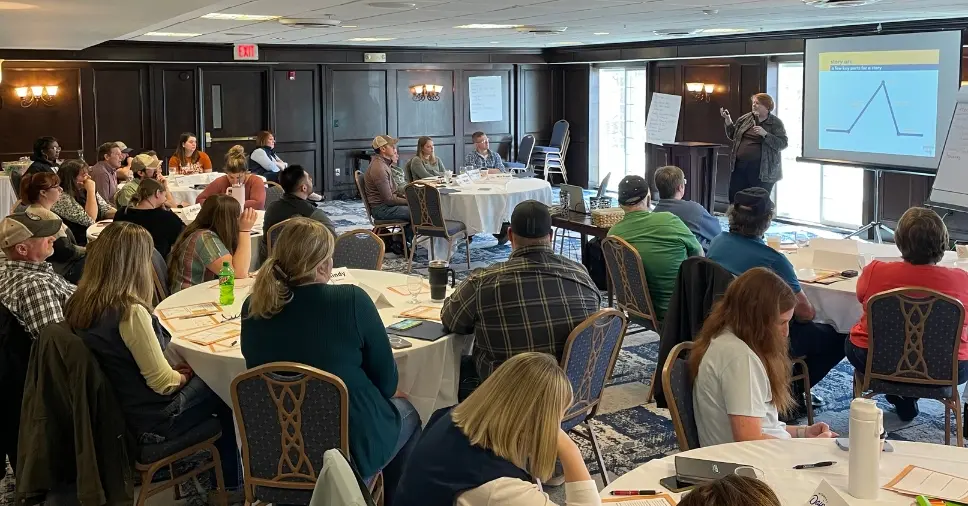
421	130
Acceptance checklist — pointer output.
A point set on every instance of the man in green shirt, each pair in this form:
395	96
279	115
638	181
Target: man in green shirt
662	240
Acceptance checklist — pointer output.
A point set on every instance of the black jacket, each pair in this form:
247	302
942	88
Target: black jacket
700	283
15	343
39	165
70	409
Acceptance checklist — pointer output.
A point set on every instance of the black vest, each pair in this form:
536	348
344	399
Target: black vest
445	464
144	410
254	167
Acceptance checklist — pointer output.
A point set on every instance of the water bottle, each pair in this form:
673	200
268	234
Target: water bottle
226	285
866	425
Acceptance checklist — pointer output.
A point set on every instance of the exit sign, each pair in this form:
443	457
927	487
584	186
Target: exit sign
246	52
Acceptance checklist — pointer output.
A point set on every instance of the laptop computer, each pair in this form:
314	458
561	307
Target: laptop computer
576	198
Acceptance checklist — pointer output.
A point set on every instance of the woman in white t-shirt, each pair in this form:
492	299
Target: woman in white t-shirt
740	364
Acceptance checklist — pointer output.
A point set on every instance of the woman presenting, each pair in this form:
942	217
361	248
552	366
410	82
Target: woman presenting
757	139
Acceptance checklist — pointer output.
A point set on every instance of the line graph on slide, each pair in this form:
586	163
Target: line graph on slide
890	106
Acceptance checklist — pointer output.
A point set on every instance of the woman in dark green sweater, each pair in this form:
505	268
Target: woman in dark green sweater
293	315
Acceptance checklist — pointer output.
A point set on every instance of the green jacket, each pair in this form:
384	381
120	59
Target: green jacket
771	169
69	408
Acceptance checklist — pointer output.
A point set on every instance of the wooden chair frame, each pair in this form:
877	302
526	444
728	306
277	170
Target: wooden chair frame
375	237
147	472
591	409
420	217
804	376
953	403
393	228
269	235
671	398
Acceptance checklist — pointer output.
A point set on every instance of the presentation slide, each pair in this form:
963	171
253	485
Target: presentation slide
881	100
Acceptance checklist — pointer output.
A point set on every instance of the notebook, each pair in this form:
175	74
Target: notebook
426	331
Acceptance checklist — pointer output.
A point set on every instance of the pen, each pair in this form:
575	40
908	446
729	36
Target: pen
827	463
633	492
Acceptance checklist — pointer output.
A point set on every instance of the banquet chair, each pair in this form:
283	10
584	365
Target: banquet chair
274	192
382	228
160	270
915	334
359	249
288	416
523	161
552	157
801	373
626	276
273	233
588	360
428	221
677	386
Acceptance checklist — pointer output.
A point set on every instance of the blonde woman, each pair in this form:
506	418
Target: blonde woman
112	315
490	449
294	315
425	164
237	174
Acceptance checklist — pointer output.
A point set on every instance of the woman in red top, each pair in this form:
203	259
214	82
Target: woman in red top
237	174
922	238
187	158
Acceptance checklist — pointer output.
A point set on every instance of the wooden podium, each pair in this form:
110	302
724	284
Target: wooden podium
698	160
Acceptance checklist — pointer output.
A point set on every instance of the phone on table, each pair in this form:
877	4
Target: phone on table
672	484
844	444
399	343
405	324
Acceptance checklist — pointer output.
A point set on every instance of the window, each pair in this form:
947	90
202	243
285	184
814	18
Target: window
826	194
620	125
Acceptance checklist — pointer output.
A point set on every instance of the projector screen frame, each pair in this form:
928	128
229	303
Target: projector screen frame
907	169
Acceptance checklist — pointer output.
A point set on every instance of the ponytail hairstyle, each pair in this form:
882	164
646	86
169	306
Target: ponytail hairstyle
235	161
303	244
147	188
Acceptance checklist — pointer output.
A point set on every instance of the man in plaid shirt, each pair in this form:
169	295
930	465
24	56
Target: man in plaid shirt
29	287
531	302
483	157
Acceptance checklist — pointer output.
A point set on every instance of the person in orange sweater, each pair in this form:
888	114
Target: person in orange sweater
237	174
187	158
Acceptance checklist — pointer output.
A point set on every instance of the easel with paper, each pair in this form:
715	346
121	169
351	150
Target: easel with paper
950	188
663	119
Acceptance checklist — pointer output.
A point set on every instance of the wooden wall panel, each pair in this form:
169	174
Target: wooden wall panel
415	119
294	118
576	93
120	106
21	126
359	104
178	107
537	109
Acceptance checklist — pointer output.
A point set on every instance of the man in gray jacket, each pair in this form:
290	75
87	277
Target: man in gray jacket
671	183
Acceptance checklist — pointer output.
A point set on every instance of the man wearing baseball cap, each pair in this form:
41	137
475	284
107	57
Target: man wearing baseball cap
29	287
531	302
143	166
381	192
742	248
662	240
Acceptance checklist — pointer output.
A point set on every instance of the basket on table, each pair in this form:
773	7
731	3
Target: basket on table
607	217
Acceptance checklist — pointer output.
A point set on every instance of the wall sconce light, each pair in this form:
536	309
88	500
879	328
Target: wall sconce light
701	91
429	92
33	95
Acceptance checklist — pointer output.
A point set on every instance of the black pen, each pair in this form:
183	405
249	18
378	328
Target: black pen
827	463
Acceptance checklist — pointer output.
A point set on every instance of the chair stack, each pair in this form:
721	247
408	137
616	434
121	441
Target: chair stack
551	158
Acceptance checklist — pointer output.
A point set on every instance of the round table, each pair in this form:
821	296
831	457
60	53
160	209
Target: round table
182	188
485	205
7	196
776	459
428	370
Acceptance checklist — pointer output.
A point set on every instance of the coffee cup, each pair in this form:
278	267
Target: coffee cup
439	272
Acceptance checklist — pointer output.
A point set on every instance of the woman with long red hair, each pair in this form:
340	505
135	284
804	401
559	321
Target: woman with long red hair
740	364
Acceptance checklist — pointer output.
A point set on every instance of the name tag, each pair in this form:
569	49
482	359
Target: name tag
474	175
463	180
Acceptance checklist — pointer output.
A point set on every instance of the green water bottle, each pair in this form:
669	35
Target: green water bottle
226	285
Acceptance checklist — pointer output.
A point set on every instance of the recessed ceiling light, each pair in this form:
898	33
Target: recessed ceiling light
724	30
392	5
567	43
601	33
275	38
349	26
495	42
15	6
171	34
239	17
237	34
370	39
488	26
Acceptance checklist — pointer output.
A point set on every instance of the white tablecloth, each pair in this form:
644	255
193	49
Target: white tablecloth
794	488
484	206
429	371
7	196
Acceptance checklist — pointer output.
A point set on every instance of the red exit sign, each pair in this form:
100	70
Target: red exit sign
246	52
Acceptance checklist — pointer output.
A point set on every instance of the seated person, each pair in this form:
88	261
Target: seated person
425	164
237	175
44	158
80	205
742	248
731	490
29	287
661	239
143	166
922	238
105	171
531	302
220	233
489	449
671	183
263	159
40	192
483	157
298	185
110	314
187	158
381	192
293	315
739	365
148	208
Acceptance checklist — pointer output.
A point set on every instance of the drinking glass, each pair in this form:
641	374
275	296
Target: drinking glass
414	284
750	472
803	240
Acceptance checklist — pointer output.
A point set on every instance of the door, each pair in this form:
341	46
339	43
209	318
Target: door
235	108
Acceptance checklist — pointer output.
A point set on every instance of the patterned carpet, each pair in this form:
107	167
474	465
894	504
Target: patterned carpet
630	432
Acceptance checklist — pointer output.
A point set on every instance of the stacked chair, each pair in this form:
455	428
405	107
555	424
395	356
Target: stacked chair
552	158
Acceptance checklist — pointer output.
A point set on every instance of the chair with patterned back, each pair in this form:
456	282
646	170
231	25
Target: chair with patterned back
288	416
273	234
382	228
915	334
627	276
274	192
429	222
358	249
588	359
677	387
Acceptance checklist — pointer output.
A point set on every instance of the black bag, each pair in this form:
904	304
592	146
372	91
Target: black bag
593	258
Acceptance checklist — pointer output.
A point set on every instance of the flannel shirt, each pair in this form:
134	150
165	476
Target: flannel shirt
531	302
34	293
478	161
